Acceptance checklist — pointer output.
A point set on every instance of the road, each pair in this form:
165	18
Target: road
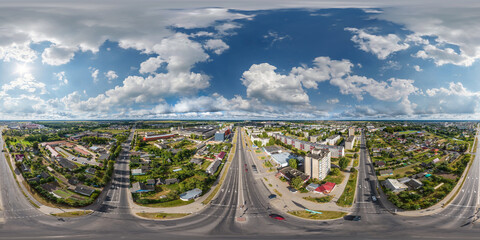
112	218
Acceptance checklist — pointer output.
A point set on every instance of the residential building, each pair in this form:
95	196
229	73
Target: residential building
264	141
212	168
317	164
220	156
333	139
53	152
138	171
414	184
196	161
395	185
387	172
336	151
139	187
351	131
84	190
171	181
380	163
350	142
192	194
66	164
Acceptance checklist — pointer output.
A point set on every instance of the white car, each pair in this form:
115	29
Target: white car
374	198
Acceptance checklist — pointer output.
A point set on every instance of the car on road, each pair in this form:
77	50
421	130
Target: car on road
276	216
272	196
355	218
292	190
374	199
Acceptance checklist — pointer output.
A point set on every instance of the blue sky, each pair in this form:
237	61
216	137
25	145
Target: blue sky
310	61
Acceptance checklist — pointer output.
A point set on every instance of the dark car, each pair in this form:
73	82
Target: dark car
355	218
272	196
276	216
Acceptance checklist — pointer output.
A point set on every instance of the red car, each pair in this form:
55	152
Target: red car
276	216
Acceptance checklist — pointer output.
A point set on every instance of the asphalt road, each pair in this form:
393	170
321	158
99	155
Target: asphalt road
112	219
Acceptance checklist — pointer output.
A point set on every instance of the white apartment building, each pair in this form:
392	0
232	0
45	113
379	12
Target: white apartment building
317	164
332	139
350	142
351	131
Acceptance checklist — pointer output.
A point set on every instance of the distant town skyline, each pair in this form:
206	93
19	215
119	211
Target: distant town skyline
259	60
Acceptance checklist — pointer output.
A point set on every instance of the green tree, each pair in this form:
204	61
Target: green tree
271	142
293	163
343	162
296	182
335	172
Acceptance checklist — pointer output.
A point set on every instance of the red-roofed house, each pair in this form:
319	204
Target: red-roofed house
326	188
19	157
221	155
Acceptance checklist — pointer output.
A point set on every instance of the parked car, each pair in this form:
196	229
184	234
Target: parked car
272	196
355	218
292	190
374	198
276	216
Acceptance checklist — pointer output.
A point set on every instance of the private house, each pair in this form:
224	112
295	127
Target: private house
192	194
387	172
394	185
84	190
139	187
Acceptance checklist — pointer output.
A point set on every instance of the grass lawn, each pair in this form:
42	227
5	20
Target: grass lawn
163	215
72	214
277	192
346	200
324	216
325	199
405	170
407	132
355	163
62	193
174	203
335	179
267	164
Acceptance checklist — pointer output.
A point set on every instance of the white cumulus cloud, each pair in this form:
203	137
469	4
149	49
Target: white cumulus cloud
110	75
216	45
381	46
